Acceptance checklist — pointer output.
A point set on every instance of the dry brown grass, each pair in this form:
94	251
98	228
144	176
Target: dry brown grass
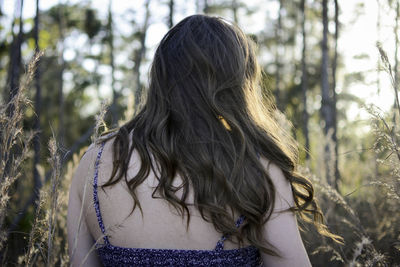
14	144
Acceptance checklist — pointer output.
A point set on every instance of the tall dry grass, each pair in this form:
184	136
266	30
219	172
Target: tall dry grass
14	144
368	215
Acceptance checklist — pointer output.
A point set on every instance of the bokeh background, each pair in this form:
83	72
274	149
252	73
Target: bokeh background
71	69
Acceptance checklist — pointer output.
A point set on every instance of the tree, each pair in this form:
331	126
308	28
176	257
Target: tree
326	99
171	13
206	7
235	7
278	35
15	52
334	96
378	31
140	53
61	28
396	60
110	39
46	81
13	77
36	125
304	80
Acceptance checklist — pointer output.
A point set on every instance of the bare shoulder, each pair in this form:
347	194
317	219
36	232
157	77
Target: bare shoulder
284	194
85	171
79	238
281	230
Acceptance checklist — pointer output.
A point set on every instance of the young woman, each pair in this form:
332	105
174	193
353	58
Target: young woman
202	175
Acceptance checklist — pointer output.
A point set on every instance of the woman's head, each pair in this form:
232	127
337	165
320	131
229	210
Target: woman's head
203	67
205	48
205	119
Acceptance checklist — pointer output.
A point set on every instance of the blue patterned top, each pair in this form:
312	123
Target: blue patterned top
111	255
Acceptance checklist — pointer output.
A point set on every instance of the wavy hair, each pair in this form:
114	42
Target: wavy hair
205	118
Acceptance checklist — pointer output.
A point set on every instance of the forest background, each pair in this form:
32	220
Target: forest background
331	65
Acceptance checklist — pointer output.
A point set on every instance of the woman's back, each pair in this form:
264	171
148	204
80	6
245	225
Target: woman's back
160	235
113	237
160	226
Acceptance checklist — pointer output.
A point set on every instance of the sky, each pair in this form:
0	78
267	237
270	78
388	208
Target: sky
357	37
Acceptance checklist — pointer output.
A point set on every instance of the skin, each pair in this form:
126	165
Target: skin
161	226
80	242
281	230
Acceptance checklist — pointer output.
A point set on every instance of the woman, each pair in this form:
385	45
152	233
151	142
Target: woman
202	175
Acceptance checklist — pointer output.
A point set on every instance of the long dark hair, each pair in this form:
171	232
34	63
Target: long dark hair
206	119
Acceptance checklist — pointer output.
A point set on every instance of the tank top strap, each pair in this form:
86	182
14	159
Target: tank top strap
220	243
95	195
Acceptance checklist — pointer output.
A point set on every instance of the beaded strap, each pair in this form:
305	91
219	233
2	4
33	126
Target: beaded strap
96	197
220	243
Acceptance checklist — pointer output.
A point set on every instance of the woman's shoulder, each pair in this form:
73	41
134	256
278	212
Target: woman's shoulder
106	136
85	171
284	193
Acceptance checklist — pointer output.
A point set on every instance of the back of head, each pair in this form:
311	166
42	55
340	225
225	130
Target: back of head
201	71
204	119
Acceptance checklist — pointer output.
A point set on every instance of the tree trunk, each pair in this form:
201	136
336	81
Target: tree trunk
15	55
13	77
278	34
61	125
334	96
326	110
198	9
378	77
235	11
171	14
304	81
206	8
13	82
378	31
36	126
140	55
110	39
396	65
